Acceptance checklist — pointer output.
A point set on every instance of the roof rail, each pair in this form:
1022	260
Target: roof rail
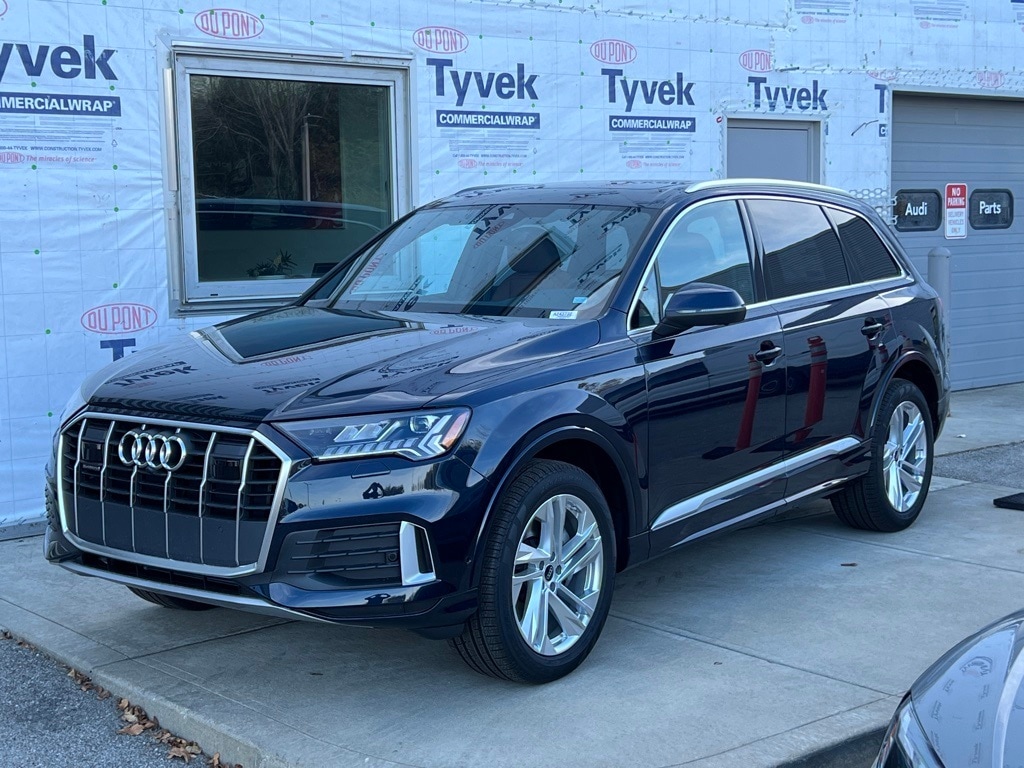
716	183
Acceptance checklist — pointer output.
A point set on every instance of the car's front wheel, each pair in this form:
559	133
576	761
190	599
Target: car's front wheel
890	496
547	576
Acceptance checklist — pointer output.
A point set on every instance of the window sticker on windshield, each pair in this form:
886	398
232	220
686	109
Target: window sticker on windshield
562	314
579	299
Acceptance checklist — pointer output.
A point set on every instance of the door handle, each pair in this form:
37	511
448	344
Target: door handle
872	328
767	355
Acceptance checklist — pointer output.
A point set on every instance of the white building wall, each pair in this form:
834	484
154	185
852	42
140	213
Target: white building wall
83	220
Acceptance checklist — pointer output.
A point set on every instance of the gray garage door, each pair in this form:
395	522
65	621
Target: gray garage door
980	142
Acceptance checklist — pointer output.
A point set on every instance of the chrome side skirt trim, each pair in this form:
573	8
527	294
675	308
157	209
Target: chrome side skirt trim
250	604
741	485
828	484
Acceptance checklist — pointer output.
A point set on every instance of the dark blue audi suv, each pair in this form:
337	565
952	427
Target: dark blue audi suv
477	419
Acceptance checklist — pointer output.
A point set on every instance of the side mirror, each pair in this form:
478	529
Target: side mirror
700	304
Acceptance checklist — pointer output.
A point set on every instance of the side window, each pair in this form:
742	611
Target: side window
801	251
705	245
869	258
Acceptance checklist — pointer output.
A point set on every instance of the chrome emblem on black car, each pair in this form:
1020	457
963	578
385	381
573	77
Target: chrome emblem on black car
156	451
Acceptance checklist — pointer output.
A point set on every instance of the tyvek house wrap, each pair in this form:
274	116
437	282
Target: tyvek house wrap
595	90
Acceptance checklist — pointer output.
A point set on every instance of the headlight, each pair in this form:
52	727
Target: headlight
905	744
422	435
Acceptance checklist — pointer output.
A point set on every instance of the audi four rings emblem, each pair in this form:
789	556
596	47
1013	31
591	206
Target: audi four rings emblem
156	451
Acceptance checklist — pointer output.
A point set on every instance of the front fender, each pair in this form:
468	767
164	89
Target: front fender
569	414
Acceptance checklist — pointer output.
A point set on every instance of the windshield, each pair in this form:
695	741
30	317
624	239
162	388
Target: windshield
558	261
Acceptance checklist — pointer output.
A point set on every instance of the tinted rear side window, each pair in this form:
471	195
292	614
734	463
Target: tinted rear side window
868	256
801	251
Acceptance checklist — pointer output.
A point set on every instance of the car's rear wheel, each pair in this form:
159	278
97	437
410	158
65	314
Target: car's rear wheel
547	576
890	496
167	601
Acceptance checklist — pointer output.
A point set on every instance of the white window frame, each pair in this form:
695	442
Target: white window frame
188	294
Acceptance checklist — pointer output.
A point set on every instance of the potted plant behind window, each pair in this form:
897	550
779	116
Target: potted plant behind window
273	269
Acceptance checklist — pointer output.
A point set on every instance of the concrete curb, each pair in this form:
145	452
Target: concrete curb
240	734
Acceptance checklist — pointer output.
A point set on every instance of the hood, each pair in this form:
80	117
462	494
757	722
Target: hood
971	702
302	362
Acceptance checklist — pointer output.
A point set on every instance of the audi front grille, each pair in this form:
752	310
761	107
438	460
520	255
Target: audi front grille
187	496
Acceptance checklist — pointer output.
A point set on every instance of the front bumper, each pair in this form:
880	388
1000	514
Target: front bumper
420	522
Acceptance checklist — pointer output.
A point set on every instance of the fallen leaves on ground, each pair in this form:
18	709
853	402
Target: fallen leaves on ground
137	721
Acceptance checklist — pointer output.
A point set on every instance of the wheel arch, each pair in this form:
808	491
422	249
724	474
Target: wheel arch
915	368
592	452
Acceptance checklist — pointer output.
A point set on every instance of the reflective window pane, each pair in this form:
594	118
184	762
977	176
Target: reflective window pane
801	251
869	258
290	176
708	245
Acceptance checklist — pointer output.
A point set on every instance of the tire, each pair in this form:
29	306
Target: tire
870	503
167	601
526	631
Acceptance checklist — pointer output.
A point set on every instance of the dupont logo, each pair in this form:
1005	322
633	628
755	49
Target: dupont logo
468	162
229	24
3	7
613	51
11	158
440	39
885	75
634	164
988	79
118	318
756	60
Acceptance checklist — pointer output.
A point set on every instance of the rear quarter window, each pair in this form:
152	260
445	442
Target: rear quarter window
868	257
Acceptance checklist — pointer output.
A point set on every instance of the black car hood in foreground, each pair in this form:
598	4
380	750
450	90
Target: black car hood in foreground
299	362
971	702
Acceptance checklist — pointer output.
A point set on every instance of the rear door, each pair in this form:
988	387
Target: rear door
835	326
716	394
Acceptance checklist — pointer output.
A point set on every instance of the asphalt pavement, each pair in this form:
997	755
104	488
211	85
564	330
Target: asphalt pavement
46	720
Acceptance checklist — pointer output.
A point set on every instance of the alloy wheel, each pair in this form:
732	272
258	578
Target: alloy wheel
906	456
556	580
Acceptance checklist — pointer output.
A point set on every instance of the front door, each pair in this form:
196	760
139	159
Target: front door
716	395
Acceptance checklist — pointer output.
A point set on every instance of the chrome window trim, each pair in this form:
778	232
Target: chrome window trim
718	495
162	562
903	278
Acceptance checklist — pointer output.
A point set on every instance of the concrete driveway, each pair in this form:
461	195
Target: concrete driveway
752	649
